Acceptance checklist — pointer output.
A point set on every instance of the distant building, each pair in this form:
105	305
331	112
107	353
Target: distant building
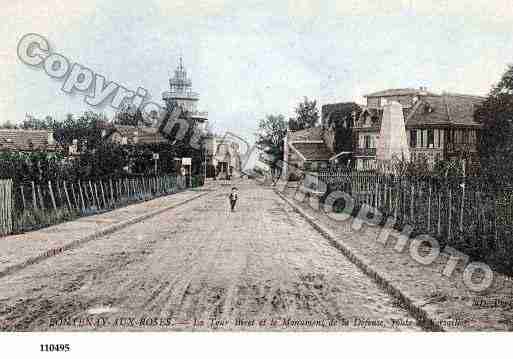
27	140
317	148
305	150
223	157
443	127
436	126
133	135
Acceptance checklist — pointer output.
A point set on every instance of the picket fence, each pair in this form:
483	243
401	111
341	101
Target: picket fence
458	209
34	205
5	207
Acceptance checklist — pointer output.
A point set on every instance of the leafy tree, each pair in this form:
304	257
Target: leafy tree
307	116
270	139
496	140
33	123
7	125
86	129
130	116
342	118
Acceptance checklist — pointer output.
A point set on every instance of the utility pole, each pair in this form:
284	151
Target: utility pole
156	158
205	163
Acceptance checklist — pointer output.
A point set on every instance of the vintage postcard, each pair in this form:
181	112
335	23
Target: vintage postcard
256	166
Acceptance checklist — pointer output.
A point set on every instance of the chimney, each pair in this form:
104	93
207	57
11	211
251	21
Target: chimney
51	140
422	90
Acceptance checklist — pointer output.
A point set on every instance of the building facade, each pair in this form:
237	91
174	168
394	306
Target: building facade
27	140
305	151
438	127
222	157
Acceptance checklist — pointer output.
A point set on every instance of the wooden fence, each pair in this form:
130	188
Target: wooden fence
6	207
462	211
35	205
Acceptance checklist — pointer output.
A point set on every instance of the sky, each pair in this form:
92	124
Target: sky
253	58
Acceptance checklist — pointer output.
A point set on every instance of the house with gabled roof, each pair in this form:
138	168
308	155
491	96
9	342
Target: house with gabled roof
27	140
438	127
305	150
443	127
134	135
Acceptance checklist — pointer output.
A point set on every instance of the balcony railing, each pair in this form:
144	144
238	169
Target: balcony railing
461	147
365	151
201	114
175	94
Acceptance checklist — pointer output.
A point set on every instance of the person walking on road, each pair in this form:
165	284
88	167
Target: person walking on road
234	196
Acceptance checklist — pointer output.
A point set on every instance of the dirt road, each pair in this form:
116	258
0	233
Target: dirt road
201	267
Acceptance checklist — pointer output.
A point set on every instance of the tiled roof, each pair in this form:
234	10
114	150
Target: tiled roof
309	134
145	135
447	109
399	92
314	151
26	140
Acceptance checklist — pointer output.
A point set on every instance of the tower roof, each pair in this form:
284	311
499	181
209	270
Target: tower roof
180	79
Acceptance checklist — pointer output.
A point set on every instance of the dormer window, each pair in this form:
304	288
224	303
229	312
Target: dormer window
428	108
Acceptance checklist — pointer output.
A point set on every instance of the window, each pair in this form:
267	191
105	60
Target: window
413	138
430	138
367	142
472	139
465	136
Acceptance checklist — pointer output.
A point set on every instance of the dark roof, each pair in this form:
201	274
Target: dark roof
400	92
314	151
447	109
144	135
309	134
26	140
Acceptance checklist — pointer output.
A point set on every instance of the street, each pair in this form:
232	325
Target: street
201	267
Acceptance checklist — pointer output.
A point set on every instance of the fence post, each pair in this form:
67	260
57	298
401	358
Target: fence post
93	196
495	234
51	195
59	194
34	198
40	198
81	195
67	195
111	192
439	229
23	197
450	214
396	198
462	206
412	203
429	208
105	205
77	205
6	207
